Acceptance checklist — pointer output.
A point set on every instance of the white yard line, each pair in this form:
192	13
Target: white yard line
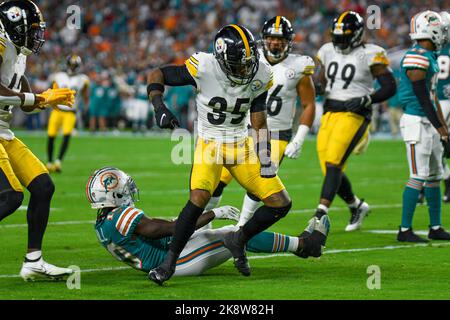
267	256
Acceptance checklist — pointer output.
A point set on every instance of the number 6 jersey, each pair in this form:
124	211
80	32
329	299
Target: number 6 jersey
223	106
348	75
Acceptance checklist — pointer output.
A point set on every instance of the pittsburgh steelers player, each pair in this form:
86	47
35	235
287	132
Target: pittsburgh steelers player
348	68
21	34
292	78
229	83
65	117
143	242
423	126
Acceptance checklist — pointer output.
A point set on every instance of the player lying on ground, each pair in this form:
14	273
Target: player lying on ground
143	242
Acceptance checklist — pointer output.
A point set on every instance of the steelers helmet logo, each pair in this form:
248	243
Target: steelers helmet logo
256	85
14	14
290	73
220	45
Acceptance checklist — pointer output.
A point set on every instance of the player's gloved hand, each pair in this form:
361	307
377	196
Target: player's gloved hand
226	212
294	148
268	168
165	118
446	144
358	104
54	96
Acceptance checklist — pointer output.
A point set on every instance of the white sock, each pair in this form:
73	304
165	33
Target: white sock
35	255
213	203
435	227
355	203
249	207
323	207
293	244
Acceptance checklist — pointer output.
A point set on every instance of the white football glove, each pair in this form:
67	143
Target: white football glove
294	148
226	212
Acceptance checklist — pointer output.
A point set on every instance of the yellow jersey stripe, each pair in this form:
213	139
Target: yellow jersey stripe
342	16
244	39
191	68
193	61
277	23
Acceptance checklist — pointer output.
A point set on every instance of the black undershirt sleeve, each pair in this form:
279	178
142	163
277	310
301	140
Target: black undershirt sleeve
177	76
387	89
423	95
259	103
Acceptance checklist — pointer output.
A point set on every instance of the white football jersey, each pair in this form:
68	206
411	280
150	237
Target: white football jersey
75	82
348	75
12	69
282	96
222	106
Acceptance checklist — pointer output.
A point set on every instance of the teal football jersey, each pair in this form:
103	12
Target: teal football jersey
443	87
116	233
416	58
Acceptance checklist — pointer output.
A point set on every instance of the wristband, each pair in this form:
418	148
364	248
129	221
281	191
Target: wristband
29	99
302	131
155	86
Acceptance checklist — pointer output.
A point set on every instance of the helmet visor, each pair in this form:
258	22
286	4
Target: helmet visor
35	37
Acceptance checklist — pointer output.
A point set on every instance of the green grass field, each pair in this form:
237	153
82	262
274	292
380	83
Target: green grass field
407	271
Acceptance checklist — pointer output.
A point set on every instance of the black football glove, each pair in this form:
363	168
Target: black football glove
268	168
446	145
165	118
358	105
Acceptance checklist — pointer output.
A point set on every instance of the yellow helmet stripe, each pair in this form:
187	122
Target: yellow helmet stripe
244	39
341	17
277	23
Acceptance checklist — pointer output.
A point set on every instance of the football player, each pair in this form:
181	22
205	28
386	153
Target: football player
349	67
423	125
291	79
65	117
143	242
229	83
21	34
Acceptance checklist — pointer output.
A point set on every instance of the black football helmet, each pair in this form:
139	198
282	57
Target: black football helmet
23	24
237	54
347	31
279	27
73	62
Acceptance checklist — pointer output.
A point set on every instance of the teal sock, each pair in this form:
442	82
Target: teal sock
433	195
410	195
268	242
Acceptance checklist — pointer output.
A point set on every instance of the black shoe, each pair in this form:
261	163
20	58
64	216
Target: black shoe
313	244
300	252
232	243
409	236
159	275
439	234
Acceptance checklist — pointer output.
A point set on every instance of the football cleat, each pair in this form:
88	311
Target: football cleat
159	275
57	166
50	167
357	216
439	234
42	270
308	230
409	236
230	241
314	243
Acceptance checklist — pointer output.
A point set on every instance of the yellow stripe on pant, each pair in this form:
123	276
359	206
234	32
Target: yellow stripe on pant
239	159
58	119
338	135
277	154
19	164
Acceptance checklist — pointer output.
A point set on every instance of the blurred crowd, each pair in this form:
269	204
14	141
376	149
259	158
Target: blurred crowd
120	40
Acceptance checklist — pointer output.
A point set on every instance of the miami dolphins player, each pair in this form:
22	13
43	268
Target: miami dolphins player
65	117
22	28
143	242
423	126
292	76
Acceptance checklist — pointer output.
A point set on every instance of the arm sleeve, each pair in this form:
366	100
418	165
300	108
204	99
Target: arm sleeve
388	88
259	103
128	221
177	76
422	94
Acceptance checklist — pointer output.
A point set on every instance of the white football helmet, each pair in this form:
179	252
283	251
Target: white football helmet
110	187
429	25
446	20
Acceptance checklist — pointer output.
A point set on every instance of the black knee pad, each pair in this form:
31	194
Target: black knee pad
282	211
42	187
10	201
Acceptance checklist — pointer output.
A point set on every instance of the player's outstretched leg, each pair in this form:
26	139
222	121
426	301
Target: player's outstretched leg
359	209
34	266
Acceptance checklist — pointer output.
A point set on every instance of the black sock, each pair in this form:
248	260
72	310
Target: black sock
345	189
50	146
185	227
331	183
219	190
253	197
263	218
41	190
64	146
